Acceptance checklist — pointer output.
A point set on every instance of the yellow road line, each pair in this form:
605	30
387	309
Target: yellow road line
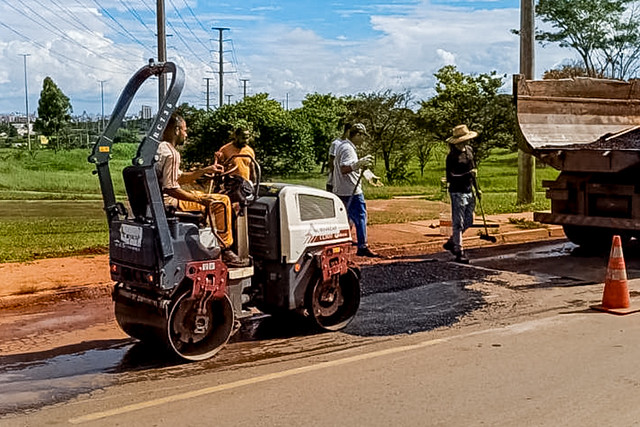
249	381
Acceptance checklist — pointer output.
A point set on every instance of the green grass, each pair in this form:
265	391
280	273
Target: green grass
497	177
63	175
38	229
50	202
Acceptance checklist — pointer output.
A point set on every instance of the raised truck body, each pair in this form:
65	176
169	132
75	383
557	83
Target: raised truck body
589	129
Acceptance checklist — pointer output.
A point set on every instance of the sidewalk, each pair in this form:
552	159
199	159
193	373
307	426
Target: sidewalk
426	236
40	281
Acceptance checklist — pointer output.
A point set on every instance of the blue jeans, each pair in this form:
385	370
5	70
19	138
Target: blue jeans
357	212
462	207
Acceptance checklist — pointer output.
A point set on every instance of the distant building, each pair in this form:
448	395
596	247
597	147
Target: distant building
145	112
13	118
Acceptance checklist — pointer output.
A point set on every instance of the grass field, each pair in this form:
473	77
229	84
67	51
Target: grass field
50	202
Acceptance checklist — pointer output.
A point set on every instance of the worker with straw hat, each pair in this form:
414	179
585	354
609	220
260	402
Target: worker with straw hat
461	172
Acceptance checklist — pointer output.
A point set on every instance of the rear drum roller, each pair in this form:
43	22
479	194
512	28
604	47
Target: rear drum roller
196	336
333	304
139	320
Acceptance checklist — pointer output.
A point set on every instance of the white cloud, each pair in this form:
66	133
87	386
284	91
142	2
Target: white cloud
410	44
447	58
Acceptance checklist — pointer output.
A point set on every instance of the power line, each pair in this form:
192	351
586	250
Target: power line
79	21
53	52
187	25
131	36
137	16
177	33
48	28
198	57
195	17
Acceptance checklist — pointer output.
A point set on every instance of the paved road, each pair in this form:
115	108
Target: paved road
525	349
572	368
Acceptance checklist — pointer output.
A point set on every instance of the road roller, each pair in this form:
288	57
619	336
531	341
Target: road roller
173	288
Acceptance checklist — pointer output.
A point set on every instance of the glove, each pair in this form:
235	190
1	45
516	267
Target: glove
372	179
364	162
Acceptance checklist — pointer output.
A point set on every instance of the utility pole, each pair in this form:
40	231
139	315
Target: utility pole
287	104
244	87
26	100
229	99
207	79
526	162
220	63
102	100
162	50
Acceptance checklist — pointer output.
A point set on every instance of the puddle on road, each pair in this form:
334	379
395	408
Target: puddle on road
541	252
30	385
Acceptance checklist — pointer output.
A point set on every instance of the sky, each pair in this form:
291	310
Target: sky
286	48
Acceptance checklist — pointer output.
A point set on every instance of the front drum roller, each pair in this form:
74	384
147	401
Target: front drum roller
198	336
333	304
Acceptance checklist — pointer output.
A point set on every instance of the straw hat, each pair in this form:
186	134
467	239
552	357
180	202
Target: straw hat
360	127
460	134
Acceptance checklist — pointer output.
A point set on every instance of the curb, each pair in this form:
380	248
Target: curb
511	237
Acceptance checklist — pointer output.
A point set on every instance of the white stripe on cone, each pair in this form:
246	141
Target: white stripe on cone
616	252
616	274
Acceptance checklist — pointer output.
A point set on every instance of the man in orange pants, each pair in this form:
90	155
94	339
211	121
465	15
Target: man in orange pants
171	179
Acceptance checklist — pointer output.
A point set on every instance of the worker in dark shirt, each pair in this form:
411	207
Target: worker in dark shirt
461	174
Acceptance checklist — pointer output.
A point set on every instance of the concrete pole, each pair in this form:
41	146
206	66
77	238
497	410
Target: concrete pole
526	162
26	99
162	49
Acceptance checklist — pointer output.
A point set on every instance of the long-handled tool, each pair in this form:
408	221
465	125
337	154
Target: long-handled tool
486	235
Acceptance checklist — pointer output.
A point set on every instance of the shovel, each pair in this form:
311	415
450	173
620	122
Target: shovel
486	235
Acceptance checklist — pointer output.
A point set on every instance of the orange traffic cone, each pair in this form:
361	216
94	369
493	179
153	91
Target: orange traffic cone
615	298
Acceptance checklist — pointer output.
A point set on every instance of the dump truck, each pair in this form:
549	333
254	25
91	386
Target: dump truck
173	288
589	130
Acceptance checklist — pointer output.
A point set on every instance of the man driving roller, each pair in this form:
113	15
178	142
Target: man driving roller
171	179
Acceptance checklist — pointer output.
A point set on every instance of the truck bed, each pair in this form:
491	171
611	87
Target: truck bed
580	124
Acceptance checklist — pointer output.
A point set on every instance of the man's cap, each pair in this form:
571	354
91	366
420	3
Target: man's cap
360	127
460	134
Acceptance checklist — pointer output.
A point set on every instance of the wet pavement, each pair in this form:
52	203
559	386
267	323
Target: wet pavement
398	297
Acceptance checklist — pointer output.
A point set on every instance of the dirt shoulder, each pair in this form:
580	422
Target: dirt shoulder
39	281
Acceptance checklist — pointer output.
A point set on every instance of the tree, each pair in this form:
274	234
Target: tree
604	33
8	129
283	143
325	115
473	100
390	124
54	109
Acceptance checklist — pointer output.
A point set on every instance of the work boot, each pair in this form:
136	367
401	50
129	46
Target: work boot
461	258
232	260
448	246
366	252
